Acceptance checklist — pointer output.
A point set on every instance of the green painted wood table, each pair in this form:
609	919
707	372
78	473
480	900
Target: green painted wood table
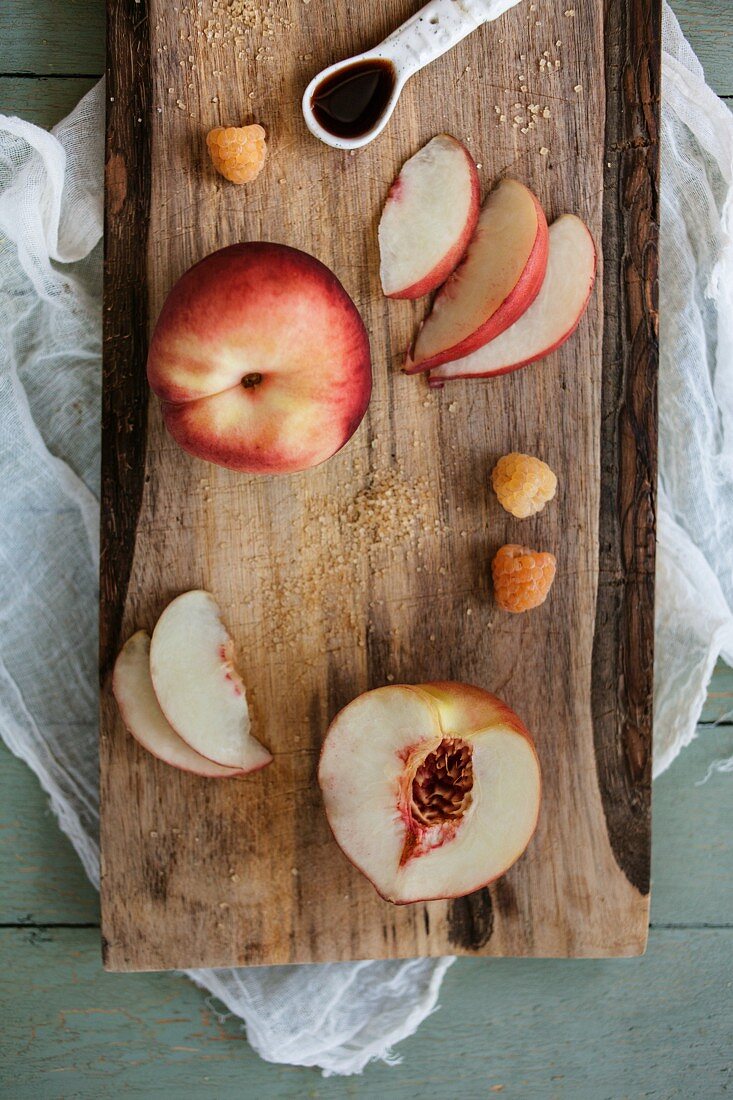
596	1030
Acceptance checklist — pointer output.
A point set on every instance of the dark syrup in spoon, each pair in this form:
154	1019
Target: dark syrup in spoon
350	102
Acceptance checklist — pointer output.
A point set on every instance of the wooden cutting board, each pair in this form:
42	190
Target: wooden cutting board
374	568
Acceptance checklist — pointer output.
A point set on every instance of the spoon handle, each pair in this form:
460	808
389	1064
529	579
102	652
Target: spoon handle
437	28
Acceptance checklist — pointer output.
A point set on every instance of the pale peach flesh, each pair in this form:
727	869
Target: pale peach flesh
428	218
431	790
496	282
197	685
140	710
261	360
551	319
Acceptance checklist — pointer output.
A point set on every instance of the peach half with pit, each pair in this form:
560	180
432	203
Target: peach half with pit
431	790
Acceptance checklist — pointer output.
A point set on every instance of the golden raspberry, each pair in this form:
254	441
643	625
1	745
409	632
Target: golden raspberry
237	152
523	484
522	577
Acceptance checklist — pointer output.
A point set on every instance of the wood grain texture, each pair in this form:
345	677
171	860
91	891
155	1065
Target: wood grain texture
197	873
125	315
623	649
43	100
43	881
718	707
51	38
74	1026
708	27
155	1034
692	857
657	1027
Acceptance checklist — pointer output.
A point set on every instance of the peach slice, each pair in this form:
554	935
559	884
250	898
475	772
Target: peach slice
431	791
261	360
143	718
551	319
428	218
199	690
497	281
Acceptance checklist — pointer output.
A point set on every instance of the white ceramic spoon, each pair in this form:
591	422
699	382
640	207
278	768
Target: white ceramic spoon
427	35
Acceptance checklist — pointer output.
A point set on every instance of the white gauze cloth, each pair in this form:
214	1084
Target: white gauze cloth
339	1016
